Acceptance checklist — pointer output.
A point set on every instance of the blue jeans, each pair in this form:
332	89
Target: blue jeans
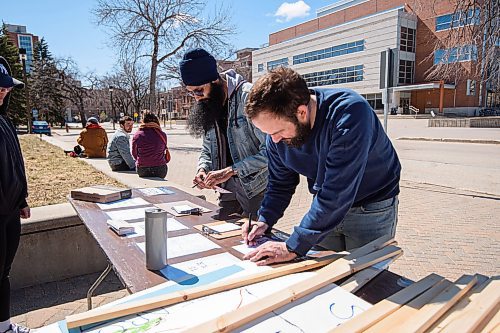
362	225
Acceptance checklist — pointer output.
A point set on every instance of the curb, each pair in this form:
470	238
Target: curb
480	141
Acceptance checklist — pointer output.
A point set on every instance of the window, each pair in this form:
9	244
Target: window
407	40
406	69
26	43
458	19
455	54
276	63
260	67
375	100
334	76
329	52
471	88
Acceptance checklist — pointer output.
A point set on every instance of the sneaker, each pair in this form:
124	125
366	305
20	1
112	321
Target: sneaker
14	328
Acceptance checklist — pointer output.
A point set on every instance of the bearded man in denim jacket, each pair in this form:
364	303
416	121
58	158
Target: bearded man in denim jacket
233	155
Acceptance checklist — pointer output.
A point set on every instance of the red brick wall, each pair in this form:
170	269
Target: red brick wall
306	28
364	9
346	15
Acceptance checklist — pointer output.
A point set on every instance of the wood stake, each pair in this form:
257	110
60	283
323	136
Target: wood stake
409	309
480	310
438	306
387	306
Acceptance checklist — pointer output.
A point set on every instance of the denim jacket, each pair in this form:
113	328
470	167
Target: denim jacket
247	144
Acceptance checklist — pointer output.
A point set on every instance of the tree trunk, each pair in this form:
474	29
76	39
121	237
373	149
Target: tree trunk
152	87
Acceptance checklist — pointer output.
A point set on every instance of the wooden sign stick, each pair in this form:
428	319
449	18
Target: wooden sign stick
438	306
100	315
326	275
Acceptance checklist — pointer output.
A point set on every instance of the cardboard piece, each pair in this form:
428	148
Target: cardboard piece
101	193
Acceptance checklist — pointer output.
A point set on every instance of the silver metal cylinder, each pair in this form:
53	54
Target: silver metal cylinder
156	238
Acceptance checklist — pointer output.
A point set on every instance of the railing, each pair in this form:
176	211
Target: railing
414	110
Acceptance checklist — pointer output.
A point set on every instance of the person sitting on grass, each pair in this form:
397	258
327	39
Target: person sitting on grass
149	148
94	139
119	157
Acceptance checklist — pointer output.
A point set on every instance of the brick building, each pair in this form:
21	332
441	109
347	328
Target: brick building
23	39
347	43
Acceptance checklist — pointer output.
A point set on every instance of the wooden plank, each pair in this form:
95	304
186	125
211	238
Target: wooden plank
409	309
458	308
493	326
387	306
375	245
438	306
99	315
326	275
480	310
358	280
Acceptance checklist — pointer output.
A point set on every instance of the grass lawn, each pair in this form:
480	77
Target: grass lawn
52	175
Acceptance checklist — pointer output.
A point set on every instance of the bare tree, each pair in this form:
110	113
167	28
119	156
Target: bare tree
71	87
473	33
160	29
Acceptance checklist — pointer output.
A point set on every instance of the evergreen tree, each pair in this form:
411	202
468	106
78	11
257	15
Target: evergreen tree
17	105
46	94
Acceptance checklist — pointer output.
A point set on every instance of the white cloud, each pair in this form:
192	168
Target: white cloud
288	11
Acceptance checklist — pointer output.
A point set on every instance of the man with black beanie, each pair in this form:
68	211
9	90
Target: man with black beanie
233	155
13	193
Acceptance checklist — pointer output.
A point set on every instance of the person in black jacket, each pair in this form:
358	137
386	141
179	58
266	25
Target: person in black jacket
13	193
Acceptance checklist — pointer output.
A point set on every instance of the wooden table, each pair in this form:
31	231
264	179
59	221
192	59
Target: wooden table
129	262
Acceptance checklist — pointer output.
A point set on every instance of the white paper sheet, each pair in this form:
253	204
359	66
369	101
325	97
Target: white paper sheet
125	203
225	227
185	245
244	248
128	214
149	191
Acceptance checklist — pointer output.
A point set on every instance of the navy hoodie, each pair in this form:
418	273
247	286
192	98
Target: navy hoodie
348	161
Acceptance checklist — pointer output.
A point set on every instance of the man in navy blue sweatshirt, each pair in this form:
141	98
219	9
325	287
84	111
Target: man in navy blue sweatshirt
333	138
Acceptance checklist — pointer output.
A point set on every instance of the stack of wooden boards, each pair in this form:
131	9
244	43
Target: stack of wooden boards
434	304
420	304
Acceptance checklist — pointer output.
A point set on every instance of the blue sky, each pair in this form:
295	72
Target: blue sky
69	28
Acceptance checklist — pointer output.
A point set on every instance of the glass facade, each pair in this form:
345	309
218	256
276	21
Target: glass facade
334	76
406	70
329	52
407	39
26	42
276	63
458	19
375	100
455	54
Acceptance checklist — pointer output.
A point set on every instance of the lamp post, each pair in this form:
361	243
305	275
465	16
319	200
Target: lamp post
23	57
112	106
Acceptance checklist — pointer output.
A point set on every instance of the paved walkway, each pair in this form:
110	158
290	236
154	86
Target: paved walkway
448	213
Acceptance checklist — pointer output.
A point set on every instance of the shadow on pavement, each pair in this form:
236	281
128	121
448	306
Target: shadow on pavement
55	293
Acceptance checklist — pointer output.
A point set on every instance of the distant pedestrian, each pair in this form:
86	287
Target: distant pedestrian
119	155
94	139
149	148
13	194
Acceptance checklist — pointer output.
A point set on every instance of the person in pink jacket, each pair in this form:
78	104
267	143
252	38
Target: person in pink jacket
149	148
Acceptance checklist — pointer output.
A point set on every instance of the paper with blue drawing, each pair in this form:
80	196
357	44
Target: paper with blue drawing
332	304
